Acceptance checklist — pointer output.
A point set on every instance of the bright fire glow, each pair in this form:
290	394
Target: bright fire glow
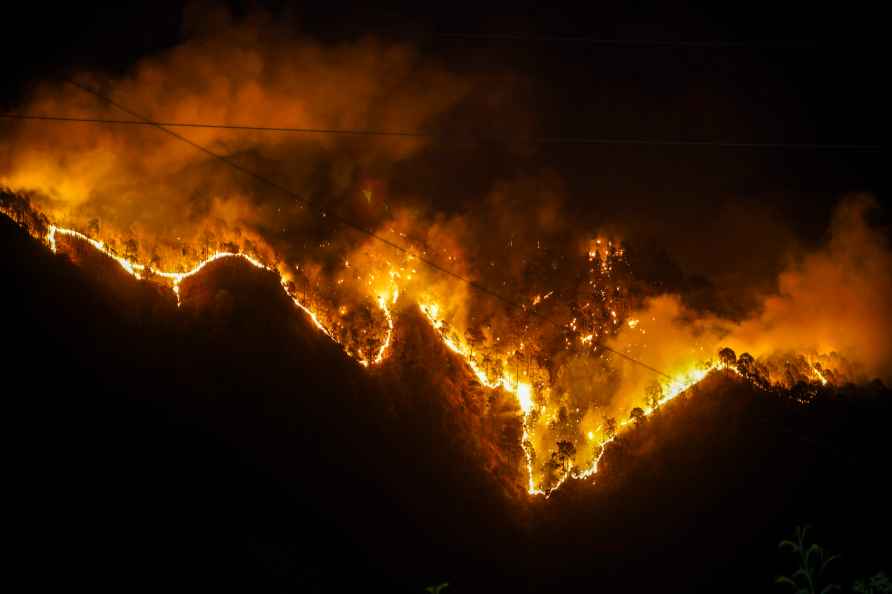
501	366
139	271
525	397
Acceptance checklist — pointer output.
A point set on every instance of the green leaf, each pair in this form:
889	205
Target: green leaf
826	563
881	583
813	550
801	572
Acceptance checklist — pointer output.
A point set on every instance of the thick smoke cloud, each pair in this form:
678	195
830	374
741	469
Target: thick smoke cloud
140	183
832	305
838	299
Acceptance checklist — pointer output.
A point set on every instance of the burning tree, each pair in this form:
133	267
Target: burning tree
610	427
17	206
654	394
727	357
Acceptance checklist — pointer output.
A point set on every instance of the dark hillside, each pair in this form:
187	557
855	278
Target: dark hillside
230	446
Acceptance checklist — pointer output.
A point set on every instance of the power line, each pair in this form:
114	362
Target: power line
346	222
248	128
601	41
547	140
711	143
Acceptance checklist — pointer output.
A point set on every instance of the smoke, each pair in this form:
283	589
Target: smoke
832	306
558	285
671	339
139	183
838	299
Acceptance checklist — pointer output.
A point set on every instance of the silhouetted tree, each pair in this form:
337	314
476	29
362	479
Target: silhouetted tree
130	249
549	470
762	375
654	393
610	427
727	357
566	452
746	365
561	425
638	415
473	337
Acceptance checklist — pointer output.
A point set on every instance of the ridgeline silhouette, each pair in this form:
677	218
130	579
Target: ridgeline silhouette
227	445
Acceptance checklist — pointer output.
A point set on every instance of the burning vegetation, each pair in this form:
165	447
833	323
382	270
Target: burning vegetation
534	306
582	362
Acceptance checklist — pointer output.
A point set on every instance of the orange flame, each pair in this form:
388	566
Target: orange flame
532	398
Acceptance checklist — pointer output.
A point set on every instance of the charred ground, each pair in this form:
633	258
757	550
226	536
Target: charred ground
228	445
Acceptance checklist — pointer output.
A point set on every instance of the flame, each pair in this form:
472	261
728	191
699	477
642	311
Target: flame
431	311
350	292
175	279
382	303
140	271
506	365
521	390
524	395
819	375
132	268
673	388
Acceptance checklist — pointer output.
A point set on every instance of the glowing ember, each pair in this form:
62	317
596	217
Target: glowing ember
382	303
525	397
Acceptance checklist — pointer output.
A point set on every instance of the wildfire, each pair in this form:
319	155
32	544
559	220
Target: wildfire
524	395
140	271
600	356
431	312
132	268
310	313
175	279
546	416
521	390
382	303
819	375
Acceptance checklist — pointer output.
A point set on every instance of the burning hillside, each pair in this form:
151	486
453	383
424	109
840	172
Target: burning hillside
409	448
535	304
313	297
573	384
